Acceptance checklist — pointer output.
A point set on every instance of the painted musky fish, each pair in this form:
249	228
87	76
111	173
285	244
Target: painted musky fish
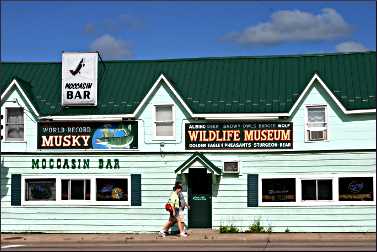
112	141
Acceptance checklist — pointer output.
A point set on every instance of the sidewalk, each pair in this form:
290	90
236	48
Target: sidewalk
202	235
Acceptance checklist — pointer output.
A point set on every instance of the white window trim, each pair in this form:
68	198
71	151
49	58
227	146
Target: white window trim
154	113
232	160
335	186
306	119
60	202
10	140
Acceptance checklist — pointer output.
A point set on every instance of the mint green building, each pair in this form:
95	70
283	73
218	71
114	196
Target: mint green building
287	140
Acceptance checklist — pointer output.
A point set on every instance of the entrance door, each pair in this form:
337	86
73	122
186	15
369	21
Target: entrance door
199	198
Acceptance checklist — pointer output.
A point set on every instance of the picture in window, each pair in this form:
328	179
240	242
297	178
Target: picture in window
112	189
320	189
15	124
40	189
279	190
356	189
75	189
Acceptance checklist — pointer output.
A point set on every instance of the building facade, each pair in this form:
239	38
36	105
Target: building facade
286	140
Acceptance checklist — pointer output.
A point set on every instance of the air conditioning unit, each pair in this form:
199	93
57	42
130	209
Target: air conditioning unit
231	167
317	135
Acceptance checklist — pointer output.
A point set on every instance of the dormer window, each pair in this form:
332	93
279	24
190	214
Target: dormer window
14	126
316	123
164	122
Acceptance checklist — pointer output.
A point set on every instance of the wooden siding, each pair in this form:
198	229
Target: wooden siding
229	195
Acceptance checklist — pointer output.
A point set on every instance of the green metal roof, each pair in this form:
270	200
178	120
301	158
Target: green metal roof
197	156
207	85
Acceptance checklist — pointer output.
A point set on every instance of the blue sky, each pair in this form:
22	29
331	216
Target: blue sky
40	31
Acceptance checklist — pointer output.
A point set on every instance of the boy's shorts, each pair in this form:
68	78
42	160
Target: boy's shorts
181	216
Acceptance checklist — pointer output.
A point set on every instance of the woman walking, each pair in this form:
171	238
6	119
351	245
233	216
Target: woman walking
174	214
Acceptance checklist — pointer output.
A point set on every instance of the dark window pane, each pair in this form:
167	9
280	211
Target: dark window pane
112	189
279	190
65	183
40	189
308	190
356	189
77	189
87	189
325	189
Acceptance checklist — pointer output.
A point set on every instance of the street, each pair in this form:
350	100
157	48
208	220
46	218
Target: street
191	245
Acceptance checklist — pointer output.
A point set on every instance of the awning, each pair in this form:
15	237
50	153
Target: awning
198	157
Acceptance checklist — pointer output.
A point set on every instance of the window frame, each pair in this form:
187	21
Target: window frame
94	191
307	128
6	138
361	202
69	189
68	203
155	137
316	179
37	202
335	189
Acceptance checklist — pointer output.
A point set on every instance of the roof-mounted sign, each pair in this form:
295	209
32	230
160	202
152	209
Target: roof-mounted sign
79	79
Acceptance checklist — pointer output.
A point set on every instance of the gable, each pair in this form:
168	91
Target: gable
16	94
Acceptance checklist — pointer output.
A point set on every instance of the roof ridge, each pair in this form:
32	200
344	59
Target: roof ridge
209	58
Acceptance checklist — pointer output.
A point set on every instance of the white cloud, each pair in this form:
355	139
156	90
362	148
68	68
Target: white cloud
350	46
111	48
294	25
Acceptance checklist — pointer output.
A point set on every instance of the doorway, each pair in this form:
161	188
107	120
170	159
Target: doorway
199	198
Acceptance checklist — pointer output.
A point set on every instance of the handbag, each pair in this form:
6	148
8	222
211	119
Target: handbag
169	208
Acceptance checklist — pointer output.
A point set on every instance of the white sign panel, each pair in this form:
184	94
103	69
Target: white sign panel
79	78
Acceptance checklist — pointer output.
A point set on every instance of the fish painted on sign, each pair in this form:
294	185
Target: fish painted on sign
111	139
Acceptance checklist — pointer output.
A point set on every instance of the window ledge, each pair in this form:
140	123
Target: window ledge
14	141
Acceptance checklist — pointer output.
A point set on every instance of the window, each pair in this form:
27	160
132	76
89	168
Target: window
14	128
356	189
231	167
164	123
316	123
112	189
75	189
279	190
316	189
40	189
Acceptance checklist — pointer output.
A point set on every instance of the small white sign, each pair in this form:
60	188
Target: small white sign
79	78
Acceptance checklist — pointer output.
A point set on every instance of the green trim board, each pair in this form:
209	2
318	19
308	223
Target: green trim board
208	85
197	156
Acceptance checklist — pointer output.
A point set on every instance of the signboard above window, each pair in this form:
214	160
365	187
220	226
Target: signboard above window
79	79
239	135
89	135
